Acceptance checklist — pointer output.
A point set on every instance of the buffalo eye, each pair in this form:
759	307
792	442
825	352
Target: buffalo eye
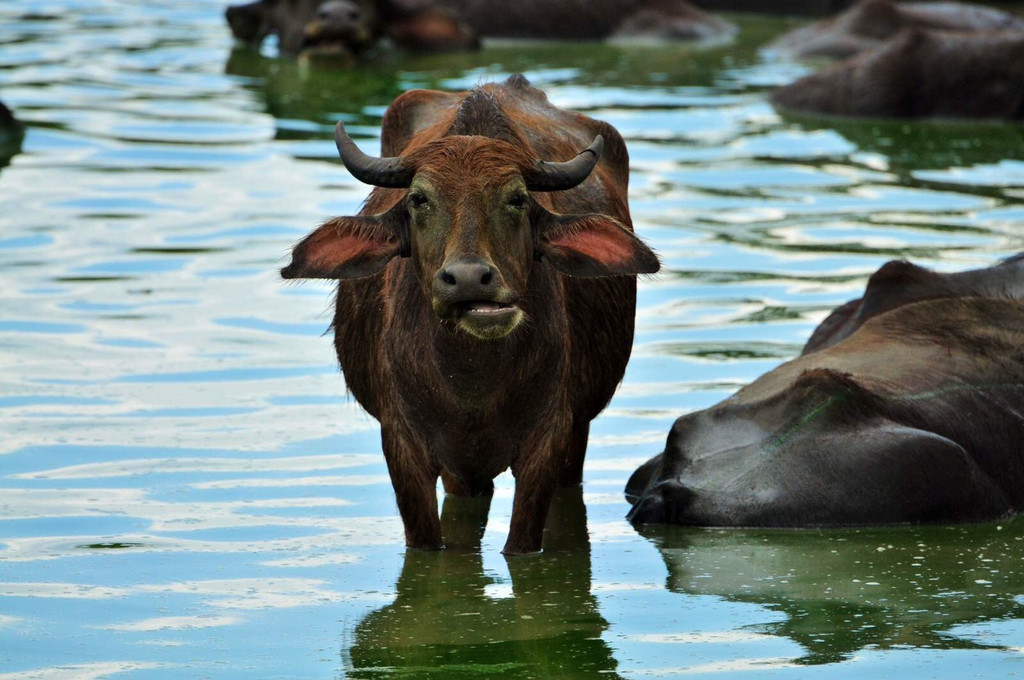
516	201
418	201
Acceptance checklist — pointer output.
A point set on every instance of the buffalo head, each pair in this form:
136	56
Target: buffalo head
463	209
344	25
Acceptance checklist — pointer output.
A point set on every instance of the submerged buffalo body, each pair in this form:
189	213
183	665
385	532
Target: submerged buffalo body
486	298
870	22
589	19
919	74
906	406
441	25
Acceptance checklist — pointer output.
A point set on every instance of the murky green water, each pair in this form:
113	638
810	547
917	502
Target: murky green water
187	493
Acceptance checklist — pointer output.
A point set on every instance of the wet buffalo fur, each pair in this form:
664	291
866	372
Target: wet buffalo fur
447	25
920	74
906	406
870	22
451	403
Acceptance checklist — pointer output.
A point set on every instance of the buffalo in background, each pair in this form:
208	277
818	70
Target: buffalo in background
353	26
907	405
920	74
871	22
910	60
350	27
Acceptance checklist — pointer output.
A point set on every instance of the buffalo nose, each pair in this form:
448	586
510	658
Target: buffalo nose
667	502
468	280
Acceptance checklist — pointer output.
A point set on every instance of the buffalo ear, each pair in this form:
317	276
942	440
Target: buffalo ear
346	248
594	245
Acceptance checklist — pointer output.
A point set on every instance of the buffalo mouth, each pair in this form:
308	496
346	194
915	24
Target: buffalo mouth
320	36
484	309
486	319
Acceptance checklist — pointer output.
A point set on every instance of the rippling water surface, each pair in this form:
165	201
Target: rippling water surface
187	492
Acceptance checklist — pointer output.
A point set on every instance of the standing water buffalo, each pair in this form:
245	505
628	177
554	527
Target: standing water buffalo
468	318
906	406
870	22
438	25
917	74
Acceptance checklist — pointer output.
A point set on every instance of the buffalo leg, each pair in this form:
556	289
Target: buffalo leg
535	487
455	486
415	484
572	470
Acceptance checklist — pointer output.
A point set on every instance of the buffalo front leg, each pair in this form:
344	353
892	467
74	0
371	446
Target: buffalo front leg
572	467
414	479
536	481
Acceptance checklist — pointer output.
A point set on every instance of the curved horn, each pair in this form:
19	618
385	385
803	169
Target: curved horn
545	176
380	172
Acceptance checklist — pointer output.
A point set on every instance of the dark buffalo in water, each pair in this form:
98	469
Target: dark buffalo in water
918	74
252	22
11	135
486	299
870	22
438	25
906	406
349	27
590	19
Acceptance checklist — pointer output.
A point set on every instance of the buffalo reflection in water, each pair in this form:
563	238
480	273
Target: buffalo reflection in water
845	590
444	620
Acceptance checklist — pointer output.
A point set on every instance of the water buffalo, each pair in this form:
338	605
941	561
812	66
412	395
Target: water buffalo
485	307
787	8
252	22
348	26
11	134
590	19
436	25
870	22
920	73
906	406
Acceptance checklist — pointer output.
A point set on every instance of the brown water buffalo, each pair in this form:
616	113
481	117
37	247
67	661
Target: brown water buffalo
907	406
351	26
920	74
348	27
486	298
870	22
250	23
438	25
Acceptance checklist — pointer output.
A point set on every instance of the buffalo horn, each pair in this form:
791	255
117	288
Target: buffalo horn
380	172
547	176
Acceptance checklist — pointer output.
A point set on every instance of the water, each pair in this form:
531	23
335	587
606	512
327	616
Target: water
188	493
